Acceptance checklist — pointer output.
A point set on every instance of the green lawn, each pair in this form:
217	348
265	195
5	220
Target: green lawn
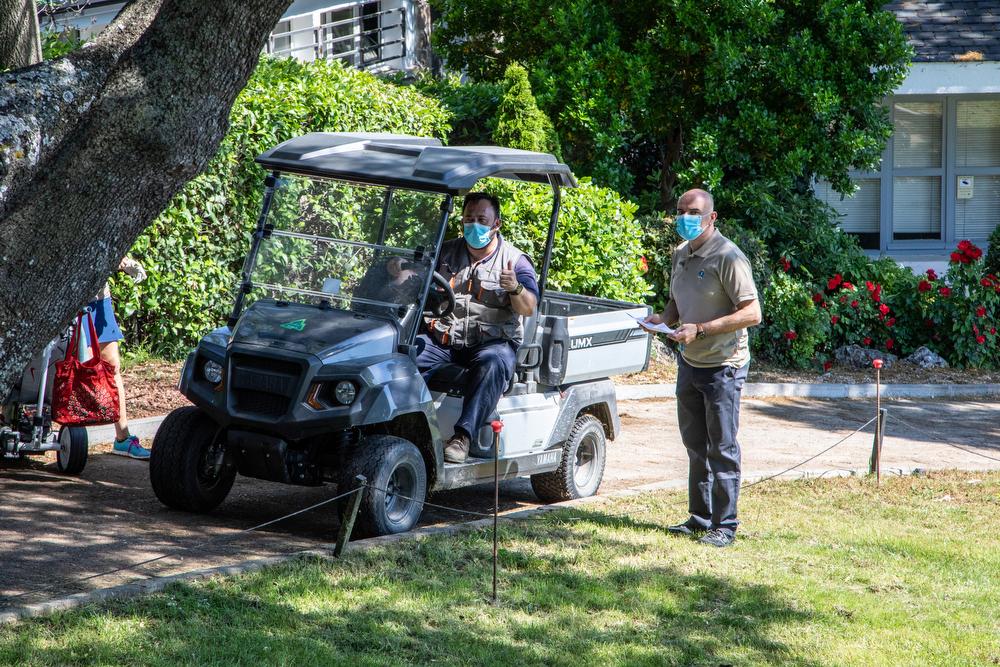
826	572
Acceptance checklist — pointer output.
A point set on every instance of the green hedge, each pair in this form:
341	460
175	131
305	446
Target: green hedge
193	252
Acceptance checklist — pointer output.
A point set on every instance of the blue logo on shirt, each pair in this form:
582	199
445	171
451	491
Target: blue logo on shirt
701	274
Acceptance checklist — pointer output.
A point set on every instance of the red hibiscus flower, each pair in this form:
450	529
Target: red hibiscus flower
867	341
785	264
957	258
847	285
884	309
945	291
924	286
974	253
791	335
965	245
854	304
834	319
980	339
834	283
817	298
931	274
993	330
891	321
980	312
827	365
870	286
889	343
985	282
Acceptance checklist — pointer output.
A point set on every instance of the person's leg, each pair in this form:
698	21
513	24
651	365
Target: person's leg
724	456
430	354
491	366
108	337
691	410
110	354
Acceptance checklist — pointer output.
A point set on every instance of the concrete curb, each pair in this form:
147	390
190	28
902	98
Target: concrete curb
157	584
824	390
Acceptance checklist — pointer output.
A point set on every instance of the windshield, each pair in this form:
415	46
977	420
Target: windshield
332	242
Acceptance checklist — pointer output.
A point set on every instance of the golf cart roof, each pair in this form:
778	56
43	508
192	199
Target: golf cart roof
416	163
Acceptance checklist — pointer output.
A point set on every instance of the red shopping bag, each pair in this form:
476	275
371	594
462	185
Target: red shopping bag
85	392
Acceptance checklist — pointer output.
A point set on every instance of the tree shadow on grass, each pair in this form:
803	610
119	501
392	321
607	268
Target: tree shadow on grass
570	595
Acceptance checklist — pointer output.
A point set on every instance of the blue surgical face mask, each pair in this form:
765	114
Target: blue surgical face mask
688	226
477	235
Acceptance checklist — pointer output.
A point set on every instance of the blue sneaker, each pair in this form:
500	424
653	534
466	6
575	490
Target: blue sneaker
130	447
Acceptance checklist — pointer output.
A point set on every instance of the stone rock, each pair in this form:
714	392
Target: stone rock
661	351
927	358
855	356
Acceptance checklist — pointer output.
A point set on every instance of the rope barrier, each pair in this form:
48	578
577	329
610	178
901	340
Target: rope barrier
942	440
169	554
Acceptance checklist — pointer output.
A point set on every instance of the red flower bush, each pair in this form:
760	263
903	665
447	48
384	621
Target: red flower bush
966	253
834	283
834	319
980	312
854	304
785	264
945	291
791	335
867	341
889	343
980	339
817	298
924	286
931	274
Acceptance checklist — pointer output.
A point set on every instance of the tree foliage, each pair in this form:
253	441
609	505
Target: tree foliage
666	94
519	122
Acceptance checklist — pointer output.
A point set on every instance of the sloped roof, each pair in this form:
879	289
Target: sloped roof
949	31
409	162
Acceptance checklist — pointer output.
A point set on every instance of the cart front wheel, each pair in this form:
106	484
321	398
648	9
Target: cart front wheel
397	476
71	457
187	466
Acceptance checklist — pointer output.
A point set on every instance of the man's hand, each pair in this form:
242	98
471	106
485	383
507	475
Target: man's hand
654	319
508	278
685	333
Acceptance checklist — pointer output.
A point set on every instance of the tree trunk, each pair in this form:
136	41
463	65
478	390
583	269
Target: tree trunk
670	152
20	43
94	145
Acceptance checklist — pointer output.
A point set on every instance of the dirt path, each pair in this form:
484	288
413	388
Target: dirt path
54	528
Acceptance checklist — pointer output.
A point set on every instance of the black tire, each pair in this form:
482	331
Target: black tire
581	468
186	466
71	458
393	464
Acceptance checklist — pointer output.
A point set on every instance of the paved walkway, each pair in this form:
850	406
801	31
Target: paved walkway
54	529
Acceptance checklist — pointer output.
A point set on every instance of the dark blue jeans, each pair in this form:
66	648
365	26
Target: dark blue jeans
708	411
491	365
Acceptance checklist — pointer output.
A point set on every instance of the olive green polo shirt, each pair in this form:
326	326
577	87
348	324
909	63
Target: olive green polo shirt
707	284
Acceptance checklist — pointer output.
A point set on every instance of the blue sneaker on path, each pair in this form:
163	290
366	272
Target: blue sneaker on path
130	447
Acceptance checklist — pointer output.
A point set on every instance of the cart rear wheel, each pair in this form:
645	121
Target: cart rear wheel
187	466
71	457
397	478
582	466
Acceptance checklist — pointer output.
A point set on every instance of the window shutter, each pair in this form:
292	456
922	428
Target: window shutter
917	137
861	211
978	143
916	207
977	217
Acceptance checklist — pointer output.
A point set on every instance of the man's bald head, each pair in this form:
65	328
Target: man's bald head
696	201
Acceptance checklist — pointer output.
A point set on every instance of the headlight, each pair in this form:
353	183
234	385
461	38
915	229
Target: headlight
212	372
345	392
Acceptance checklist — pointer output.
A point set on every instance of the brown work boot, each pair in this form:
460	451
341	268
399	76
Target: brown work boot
456	450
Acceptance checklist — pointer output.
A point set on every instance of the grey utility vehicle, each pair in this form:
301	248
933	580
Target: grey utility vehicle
314	380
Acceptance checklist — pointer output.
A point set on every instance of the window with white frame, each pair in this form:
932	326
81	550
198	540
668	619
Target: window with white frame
939	180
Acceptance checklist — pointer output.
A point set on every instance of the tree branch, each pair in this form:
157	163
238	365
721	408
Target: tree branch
148	110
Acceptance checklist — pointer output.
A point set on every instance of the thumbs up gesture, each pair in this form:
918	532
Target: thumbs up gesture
508	279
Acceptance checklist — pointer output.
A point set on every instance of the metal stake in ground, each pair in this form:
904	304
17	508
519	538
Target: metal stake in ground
349	514
875	465
497	427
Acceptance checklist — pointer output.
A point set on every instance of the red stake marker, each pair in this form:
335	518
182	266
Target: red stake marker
497	426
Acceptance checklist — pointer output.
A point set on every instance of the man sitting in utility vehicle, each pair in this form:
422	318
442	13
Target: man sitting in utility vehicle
495	285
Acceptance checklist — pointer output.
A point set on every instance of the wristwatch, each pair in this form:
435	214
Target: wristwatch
517	290
701	332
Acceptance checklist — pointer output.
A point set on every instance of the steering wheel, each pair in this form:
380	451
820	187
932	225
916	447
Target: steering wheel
441	298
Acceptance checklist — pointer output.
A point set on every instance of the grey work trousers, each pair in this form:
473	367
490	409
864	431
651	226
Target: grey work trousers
708	412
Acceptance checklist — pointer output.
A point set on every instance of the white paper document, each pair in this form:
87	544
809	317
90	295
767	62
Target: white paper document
659	328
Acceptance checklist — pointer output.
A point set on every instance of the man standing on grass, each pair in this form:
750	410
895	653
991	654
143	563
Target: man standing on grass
713	300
